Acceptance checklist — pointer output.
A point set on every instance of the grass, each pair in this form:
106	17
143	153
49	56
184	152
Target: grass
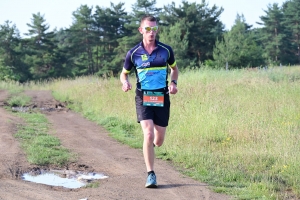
40	147
92	185
18	100
236	130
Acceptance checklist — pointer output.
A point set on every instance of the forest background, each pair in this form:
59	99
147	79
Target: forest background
99	38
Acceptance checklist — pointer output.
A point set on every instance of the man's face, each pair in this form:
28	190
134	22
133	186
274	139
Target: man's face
149	30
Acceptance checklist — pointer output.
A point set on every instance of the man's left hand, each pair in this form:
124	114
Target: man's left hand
173	88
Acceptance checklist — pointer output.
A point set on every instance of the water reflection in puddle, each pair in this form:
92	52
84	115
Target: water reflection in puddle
54	179
20	109
27	109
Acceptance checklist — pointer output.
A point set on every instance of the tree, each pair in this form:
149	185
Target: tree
273	33
11	63
81	39
238	48
110	27
177	37
39	48
224	51
203	25
291	21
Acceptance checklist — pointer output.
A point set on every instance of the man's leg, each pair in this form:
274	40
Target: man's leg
159	135
148	149
153	134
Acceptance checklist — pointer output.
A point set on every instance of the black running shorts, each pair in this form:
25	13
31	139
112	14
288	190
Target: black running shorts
159	115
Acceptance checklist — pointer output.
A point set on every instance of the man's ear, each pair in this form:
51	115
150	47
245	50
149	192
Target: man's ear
140	30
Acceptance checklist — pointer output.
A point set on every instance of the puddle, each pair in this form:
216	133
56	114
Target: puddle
48	108
62	178
20	109
26	109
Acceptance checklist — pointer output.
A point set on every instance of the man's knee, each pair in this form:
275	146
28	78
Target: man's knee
158	141
149	136
158	144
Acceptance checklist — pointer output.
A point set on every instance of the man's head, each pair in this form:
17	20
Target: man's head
148	27
149	18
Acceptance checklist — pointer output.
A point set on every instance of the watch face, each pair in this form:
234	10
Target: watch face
174	82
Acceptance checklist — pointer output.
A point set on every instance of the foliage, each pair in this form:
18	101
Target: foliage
238	49
41	52
202	23
99	38
11	65
177	37
291	11
273	37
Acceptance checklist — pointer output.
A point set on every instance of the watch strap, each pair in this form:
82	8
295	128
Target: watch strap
174	81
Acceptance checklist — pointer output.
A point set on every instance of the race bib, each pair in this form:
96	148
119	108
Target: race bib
153	98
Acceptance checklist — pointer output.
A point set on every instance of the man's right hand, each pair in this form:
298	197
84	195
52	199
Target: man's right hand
126	86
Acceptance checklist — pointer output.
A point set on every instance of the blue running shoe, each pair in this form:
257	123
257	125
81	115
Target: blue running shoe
151	181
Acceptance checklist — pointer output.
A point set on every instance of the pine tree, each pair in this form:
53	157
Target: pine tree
203	25
292	24
273	33
238	49
177	37
81	39
10	58
39	48
109	24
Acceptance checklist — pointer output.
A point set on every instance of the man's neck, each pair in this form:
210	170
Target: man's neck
149	46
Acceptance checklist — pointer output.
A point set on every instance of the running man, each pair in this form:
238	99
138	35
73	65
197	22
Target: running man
151	60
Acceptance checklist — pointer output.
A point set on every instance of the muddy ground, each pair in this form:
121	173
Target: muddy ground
96	152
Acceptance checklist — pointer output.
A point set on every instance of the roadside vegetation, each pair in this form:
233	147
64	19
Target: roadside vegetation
41	148
237	130
99	38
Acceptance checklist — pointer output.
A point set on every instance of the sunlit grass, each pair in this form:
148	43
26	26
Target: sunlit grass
236	130
102	101
11	85
40	147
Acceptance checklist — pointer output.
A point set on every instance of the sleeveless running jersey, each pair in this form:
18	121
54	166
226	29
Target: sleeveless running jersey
151	69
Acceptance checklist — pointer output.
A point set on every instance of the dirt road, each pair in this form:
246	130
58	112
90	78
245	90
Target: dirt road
97	152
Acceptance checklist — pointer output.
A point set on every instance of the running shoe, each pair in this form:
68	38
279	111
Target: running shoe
151	181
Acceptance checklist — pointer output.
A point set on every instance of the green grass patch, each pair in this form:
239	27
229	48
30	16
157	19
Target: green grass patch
40	147
19	100
92	185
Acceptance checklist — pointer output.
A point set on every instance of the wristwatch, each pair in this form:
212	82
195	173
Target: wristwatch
174	81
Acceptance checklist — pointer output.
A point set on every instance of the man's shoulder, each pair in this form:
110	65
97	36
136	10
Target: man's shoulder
163	45
135	48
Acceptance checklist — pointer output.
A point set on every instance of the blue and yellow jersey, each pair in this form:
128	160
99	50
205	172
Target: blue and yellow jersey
151	70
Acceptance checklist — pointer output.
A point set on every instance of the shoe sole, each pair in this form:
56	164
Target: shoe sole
150	186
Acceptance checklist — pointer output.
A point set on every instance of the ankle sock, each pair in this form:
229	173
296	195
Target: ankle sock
151	172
